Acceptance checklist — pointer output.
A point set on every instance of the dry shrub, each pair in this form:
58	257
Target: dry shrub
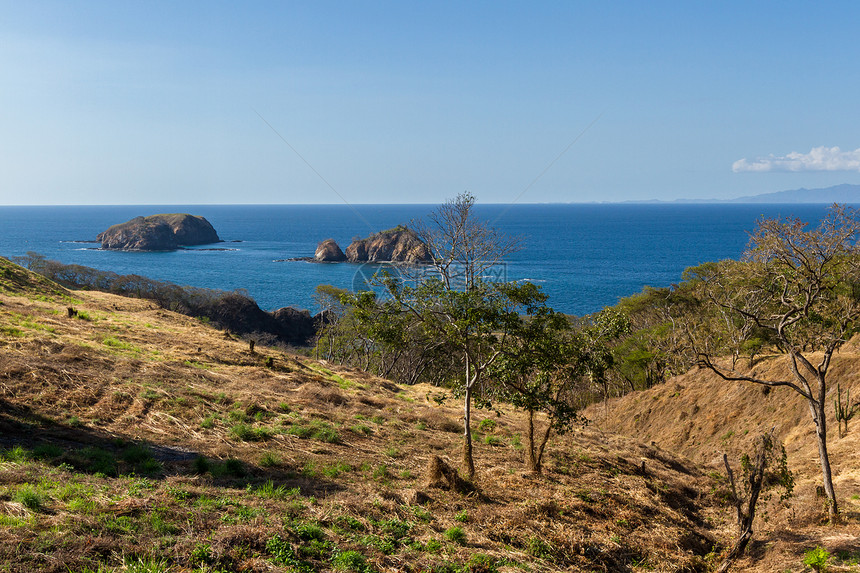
242	536
442	476
369	401
439	421
317	393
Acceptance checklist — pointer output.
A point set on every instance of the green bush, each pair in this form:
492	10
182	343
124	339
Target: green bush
47	451
271	491
349	522
817	559
481	563
456	535
349	561
16	454
27	496
487	425
310	531
200	465
246	433
231	466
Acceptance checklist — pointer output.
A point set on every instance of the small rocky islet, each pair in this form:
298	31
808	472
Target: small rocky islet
397	245
162	232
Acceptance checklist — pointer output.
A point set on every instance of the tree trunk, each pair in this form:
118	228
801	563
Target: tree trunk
745	518
534	467
817	409
542	446
736	551
468	462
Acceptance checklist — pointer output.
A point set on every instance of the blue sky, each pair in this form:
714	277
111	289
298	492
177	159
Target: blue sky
407	102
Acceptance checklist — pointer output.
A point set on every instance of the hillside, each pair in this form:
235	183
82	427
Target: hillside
136	439
701	416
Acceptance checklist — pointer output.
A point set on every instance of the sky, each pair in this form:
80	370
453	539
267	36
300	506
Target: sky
414	102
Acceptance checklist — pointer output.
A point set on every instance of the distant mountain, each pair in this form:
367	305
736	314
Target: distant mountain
844	193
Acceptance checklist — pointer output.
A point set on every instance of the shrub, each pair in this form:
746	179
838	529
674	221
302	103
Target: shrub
317	430
29	497
360	429
380	472
487	425
334	470
392	452
246	433
96	460
817	559
231	466
47	451
200	465
537	547
146	565
136	454
349	561
201	554
271	491
310	531
481	563
16	454
456	535
349	522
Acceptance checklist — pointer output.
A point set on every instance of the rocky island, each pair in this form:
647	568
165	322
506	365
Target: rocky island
397	245
328	251
164	232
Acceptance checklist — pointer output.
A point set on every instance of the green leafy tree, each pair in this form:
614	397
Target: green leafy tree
597	335
538	372
476	323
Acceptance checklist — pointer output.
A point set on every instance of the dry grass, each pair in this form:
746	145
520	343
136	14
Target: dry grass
702	416
135	439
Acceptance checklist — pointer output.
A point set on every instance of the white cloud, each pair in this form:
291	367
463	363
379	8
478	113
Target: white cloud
818	159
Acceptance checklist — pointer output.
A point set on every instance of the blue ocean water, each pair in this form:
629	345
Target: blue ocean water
584	256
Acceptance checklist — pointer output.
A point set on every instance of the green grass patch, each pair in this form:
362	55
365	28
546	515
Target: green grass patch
11	331
335	469
118	344
316	429
245	433
269	490
456	535
28	496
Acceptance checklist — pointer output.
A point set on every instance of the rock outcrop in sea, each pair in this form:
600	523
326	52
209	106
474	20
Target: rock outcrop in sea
164	232
328	251
397	245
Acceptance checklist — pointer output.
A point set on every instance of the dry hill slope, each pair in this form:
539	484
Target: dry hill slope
135	439
701	416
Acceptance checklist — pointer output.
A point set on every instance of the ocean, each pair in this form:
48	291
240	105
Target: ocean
584	257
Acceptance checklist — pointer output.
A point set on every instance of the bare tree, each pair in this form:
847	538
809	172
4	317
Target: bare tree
767	467
462	247
801	288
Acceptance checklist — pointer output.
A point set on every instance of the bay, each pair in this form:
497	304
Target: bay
584	256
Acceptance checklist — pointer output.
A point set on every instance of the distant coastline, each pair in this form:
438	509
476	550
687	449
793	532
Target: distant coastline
844	193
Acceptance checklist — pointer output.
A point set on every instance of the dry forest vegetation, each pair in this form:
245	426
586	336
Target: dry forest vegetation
136	439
